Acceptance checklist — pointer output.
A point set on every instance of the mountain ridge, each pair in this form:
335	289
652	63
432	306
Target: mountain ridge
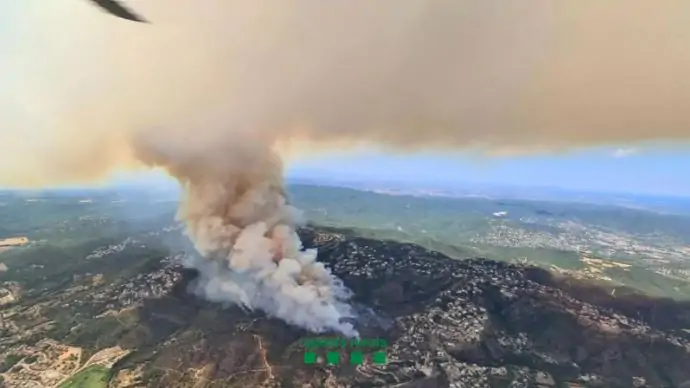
448	323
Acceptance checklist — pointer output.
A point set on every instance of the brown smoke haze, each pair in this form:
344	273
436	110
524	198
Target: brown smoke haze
408	74
216	91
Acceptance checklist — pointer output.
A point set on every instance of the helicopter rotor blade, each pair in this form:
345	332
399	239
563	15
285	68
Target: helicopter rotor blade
117	9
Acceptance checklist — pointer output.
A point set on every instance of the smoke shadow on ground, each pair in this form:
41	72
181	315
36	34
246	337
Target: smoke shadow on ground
587	341
659	313
568	345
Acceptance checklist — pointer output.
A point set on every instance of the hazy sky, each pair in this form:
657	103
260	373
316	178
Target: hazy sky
627	169
598	72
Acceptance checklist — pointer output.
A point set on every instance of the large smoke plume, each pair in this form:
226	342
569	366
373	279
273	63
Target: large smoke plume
238	217
215	92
